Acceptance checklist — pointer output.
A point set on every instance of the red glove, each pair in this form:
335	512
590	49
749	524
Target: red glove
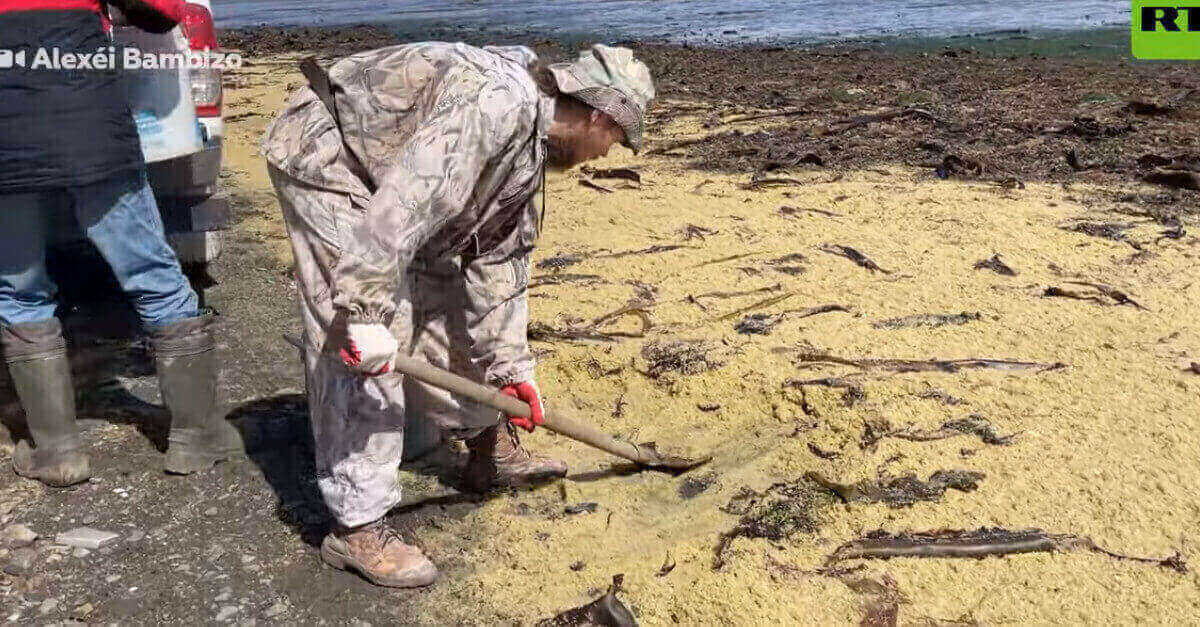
529	393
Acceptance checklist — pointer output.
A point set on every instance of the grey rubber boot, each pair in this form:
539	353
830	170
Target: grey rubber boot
37	362
186	358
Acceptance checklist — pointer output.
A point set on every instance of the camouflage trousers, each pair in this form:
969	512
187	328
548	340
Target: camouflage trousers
359	422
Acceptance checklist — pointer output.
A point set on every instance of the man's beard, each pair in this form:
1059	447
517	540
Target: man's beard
560	155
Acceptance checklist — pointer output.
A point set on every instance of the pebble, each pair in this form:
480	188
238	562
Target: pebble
80	553
47	606
212	511
112	579
19	535
278	609
86	538
227	613
21	562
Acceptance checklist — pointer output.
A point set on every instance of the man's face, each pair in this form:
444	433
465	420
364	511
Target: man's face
590	140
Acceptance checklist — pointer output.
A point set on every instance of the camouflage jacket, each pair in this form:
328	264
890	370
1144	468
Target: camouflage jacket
452	138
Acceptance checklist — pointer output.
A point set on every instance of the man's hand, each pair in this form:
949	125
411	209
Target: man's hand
529	393
370	349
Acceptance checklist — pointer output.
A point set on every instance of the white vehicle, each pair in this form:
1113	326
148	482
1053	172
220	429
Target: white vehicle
185	180
186	187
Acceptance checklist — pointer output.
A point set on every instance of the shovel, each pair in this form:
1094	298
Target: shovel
556	420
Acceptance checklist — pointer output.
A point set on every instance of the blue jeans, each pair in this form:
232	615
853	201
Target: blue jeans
120	217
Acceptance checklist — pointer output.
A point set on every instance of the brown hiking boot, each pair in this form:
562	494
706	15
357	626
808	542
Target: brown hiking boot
498	460
376	552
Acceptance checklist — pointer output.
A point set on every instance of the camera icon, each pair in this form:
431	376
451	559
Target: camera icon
10	59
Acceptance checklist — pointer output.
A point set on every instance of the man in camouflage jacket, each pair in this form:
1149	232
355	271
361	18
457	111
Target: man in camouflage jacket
407	187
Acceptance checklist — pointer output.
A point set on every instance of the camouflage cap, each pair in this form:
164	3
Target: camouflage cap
610	80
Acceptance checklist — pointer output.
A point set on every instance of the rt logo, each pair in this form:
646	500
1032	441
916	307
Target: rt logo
1164	30
8	59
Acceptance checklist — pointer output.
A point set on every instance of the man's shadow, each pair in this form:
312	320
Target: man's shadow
278	436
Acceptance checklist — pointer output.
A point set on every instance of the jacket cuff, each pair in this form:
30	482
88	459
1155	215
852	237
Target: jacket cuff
513	376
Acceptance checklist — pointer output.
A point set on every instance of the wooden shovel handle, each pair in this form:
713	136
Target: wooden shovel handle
557	420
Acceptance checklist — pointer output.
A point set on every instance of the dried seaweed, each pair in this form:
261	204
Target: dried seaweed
581	508
788	259
591	185
1114	231
942	397
760	182
591	331
559	262
1174	178
807	359
607	611
758	324
995	264
695	485
789	211
685	357
662	248
559	279
955	165
853	396
668	565
883	599
1087	126
1119	297
900	492
695	300
853	255
971	425
690	232
829	382
778	513
930	321
1057	292
626	174
769	114
983	542
774	300
822	453
763	324
669	148
724	259
842	126
787	264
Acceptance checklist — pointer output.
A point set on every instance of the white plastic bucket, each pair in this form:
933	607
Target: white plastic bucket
161	99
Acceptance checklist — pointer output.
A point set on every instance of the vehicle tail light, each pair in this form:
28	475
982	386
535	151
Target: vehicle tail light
201	34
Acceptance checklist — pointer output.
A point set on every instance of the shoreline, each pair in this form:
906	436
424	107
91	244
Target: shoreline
1103	41
768	346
